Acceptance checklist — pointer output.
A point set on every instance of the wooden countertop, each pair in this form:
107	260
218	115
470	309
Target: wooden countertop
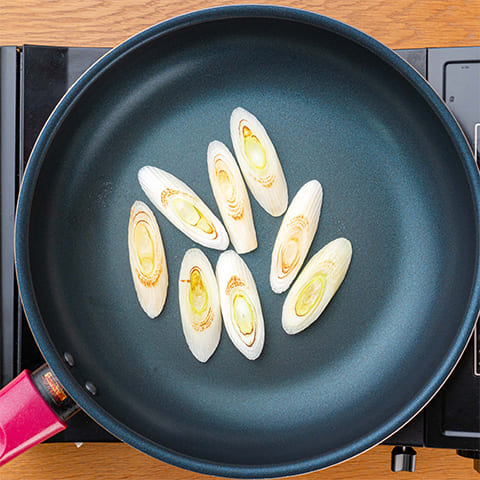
398	24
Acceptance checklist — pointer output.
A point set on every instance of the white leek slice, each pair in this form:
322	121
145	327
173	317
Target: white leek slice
295	235
259	162
241	308
316	285
147	259
182	206
232	197
199	305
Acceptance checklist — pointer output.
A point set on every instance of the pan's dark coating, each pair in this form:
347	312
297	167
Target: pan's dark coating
397	183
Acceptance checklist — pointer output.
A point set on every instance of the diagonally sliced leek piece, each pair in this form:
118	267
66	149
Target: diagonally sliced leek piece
199	305
147	259
259	162
241	308
316	285
231	196
182	206
295	235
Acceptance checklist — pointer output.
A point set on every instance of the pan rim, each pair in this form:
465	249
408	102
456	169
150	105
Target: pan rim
27	290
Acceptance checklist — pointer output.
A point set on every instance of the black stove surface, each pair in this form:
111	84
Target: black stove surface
34	78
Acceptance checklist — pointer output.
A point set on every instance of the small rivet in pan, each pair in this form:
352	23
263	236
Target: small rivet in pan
91	388
69	359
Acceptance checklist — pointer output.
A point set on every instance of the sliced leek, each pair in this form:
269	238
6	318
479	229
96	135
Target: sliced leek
182	206
241	308
232	197
147	259
316	285
199	305
259	162
295	235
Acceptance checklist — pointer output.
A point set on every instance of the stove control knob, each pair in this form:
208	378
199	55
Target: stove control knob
403	459
473	454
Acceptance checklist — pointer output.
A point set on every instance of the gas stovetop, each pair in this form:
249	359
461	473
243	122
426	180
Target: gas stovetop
34	78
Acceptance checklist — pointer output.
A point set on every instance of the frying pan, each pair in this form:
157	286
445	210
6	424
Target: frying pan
399	182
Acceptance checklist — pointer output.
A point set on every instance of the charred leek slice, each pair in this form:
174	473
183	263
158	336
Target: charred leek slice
147	259
316	285
182	206
295	236
232	197
199	305
259	162
241	308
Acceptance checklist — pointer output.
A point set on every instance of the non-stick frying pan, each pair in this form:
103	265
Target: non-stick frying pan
399	182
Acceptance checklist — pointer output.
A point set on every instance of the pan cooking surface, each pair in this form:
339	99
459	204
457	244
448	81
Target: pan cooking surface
394	185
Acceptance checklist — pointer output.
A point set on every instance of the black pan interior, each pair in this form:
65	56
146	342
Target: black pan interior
394	184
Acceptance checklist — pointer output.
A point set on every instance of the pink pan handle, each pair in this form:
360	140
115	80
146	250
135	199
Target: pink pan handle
26	417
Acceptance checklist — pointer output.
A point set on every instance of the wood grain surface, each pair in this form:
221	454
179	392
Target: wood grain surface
399	24
121	462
